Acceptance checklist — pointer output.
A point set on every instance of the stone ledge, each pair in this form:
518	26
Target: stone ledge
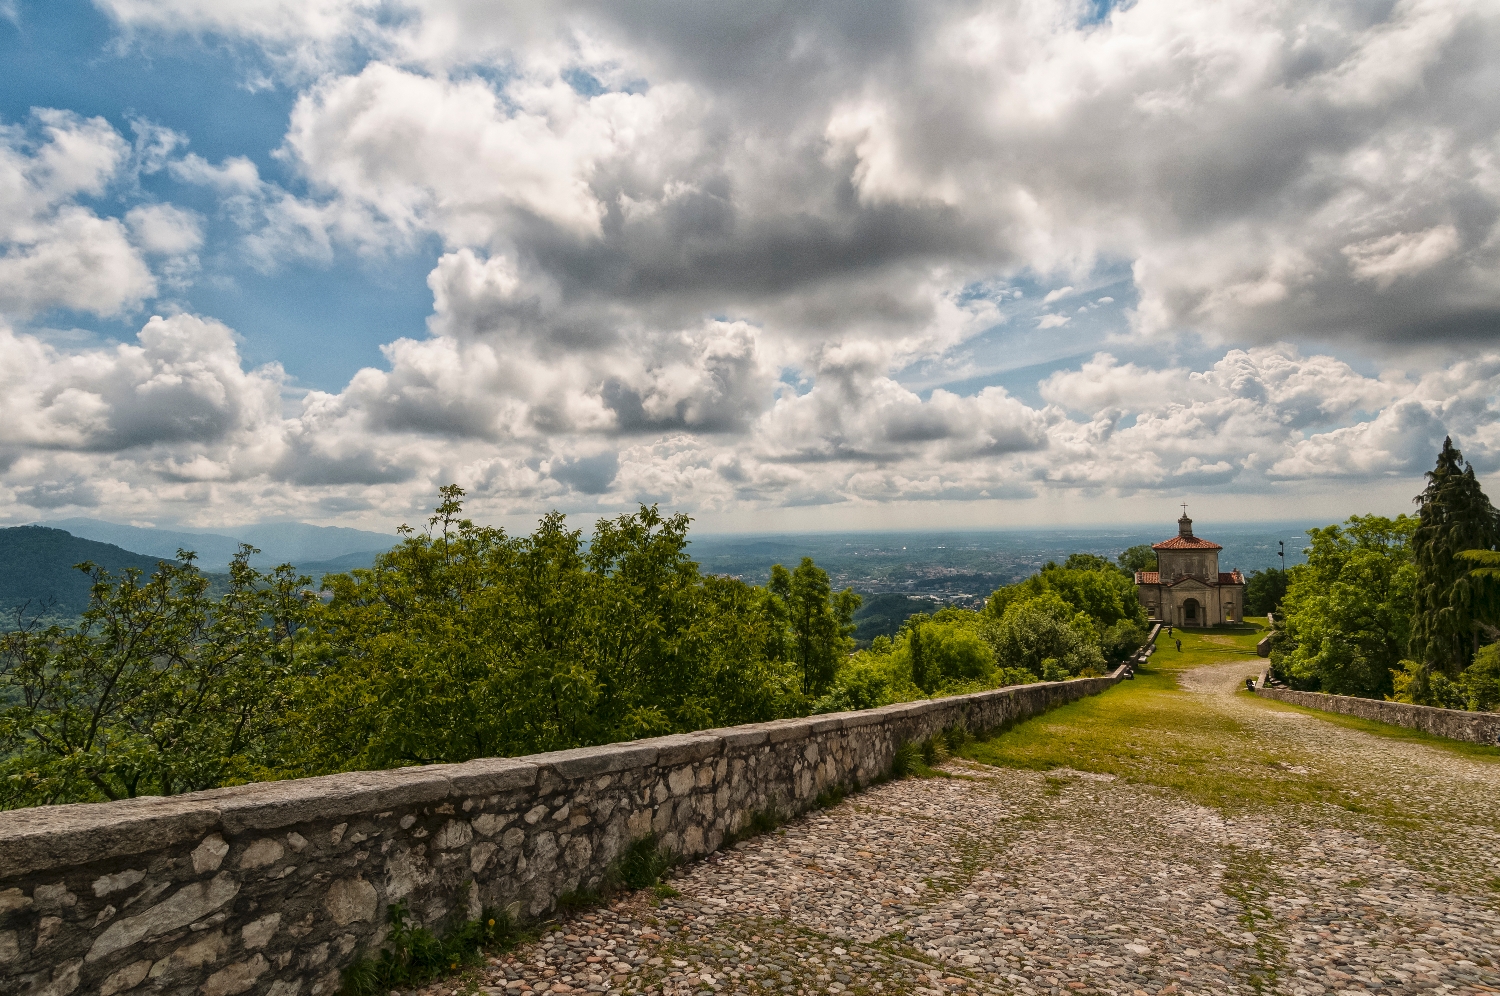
48	837
1452	724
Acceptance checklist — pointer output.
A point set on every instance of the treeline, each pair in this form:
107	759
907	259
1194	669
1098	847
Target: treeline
465	642
1403	608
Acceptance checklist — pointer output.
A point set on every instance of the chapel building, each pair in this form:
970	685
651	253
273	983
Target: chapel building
1187	588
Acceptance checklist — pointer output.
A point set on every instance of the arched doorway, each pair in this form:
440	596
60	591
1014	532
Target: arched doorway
1192	613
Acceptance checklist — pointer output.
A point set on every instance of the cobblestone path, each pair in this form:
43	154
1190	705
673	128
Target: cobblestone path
1000	880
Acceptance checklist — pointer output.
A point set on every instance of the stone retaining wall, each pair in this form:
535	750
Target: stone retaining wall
274	888
1455	724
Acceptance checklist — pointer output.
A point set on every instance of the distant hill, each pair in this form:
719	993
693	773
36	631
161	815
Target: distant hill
279	542
36	566
882	615
339	565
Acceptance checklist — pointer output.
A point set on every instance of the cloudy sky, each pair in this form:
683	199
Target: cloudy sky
833	265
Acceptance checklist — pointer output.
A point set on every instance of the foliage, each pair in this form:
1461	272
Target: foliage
1348	609
821	623
883	615
464	642
159	689
644	863
412	955
1481	680
944	652
1265	591
1087	562
1104	595
1137	558
1451	605
1046	629
1121	639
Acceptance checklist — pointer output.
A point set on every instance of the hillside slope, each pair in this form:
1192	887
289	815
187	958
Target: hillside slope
36	566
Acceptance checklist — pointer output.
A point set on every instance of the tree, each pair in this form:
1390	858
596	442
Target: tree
1451	605
160	689
1046	628
1087	562
821	623
1348	609
1264	591
1104	596
1137	558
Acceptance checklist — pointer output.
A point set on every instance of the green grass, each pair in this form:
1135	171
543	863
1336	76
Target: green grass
1149	731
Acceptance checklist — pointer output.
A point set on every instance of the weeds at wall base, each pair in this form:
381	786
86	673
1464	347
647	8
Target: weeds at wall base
415	955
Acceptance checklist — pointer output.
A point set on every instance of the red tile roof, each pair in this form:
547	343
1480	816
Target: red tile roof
1185	543
1147	577
1231	577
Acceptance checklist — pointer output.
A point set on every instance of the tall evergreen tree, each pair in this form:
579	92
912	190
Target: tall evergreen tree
1454	516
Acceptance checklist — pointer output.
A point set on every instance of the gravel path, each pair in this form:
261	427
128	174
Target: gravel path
999	881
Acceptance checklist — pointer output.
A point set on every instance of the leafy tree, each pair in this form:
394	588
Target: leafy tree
1451	605
1104	596
1137	558
1348	609
1122	639
160	689
1045	628
464	642
820	623
1481	680
945	650
1087	562
1264	591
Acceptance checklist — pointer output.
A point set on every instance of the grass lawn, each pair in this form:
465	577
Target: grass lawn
1150	731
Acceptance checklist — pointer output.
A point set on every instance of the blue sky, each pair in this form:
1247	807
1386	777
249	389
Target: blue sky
1043	263
322	322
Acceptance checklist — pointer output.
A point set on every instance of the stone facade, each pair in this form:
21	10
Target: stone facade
1455	724
1187	588
274	888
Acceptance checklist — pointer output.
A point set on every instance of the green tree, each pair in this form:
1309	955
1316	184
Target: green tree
1264	591
464	642
945	650
821	623
1104	596
1047	628
1451	605
160	689
1348	609
1087	562
1137	558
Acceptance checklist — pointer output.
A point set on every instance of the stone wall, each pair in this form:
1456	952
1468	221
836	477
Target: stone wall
1455	724
275	887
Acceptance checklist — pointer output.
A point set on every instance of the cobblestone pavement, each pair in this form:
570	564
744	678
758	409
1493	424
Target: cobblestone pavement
999	880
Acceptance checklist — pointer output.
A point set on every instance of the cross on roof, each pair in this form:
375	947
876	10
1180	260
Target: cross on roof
1184	510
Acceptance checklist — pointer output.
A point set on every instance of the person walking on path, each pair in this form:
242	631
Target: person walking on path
1179	646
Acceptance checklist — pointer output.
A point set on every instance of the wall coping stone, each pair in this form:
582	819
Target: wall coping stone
46	837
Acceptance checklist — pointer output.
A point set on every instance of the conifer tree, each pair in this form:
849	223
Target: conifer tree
1454	516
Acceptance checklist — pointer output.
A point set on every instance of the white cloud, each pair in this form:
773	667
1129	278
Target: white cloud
54	252
684	257
164	229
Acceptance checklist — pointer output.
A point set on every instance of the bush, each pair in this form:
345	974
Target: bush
1481	681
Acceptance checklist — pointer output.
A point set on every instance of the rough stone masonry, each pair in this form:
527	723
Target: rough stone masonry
275	887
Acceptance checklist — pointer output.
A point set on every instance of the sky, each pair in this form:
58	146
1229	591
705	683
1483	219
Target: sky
834	266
